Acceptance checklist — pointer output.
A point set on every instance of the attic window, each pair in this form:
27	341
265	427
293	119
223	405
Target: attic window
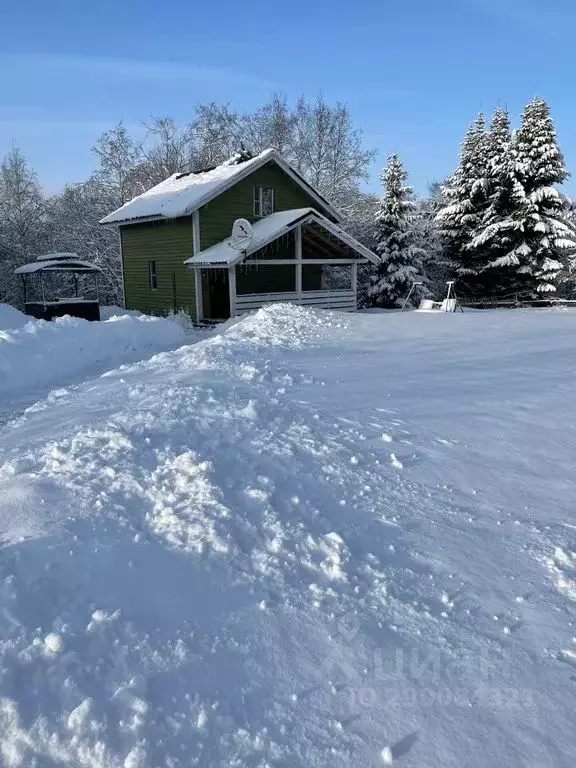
263	201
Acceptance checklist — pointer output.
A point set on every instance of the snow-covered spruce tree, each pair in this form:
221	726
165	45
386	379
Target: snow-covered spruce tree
567	284
427	235
464	198
395	243
535	238
488	277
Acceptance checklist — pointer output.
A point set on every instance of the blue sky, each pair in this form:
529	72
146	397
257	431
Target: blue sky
413	73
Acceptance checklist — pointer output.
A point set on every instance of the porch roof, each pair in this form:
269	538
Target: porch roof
267	230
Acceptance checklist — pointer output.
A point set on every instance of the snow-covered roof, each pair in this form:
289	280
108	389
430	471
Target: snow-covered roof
57	256
268	229
183	193
265	230
43	264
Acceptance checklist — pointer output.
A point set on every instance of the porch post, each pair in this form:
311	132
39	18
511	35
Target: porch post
355	283
299	261
197	272
232	288
198	288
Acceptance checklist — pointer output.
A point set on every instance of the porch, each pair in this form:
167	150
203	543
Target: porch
295	256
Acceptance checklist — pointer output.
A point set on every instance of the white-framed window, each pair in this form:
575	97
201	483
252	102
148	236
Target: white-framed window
152	276
263	201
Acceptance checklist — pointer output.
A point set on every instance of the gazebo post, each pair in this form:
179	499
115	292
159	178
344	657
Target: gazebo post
24	287
42	287
75	276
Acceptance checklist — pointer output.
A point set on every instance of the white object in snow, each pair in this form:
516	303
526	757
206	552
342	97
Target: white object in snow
242	234
449	304
387	756
446	305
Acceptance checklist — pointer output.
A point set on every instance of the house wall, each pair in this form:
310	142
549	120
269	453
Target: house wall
168	243
218	216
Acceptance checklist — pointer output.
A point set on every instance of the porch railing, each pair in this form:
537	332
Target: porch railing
342	299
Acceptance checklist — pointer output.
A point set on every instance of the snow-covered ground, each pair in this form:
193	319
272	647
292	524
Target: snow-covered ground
36	356
310	540
11	318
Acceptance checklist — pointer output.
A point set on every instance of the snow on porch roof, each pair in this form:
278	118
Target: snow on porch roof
183	193
268	229
265	230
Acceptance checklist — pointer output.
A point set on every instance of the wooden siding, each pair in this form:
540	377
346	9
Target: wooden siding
168	243
218	216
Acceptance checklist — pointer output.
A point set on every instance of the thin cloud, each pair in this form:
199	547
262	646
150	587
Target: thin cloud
533	14
140	70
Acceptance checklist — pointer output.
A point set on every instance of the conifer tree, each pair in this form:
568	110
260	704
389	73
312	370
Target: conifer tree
395	235
464	196
498	204
535	237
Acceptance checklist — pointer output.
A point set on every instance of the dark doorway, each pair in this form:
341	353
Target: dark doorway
215	294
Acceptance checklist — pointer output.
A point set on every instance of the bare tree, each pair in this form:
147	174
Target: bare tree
119	156
272	125
328	150
75	216
217	134
24	227
167	149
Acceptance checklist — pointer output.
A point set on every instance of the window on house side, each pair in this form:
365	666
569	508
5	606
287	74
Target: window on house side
263	201
153	275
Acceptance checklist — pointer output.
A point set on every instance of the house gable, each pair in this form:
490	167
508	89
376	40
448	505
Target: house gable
184	193
218	216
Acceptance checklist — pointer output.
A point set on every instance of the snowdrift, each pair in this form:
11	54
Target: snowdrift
37	354
282	547
11	317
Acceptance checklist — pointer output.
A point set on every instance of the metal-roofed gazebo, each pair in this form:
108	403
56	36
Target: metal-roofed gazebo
42	297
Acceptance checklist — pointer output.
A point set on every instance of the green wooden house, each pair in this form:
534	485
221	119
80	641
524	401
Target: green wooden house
178	254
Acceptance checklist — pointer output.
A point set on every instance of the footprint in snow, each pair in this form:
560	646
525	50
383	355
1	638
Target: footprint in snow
390	753
442	441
